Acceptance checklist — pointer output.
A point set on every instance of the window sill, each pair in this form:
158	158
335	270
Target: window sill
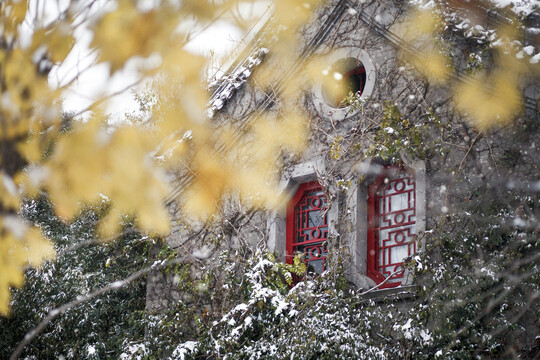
401	293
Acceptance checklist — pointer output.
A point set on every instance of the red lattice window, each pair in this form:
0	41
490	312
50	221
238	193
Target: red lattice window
307	227
391	225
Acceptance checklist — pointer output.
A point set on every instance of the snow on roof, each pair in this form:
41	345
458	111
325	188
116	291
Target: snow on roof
519	7
230	83
225	87
480	20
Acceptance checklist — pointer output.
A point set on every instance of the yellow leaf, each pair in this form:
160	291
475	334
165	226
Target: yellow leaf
202	9
212	179
432	64
60	42
20	78
38	247
127	31
422	22
293	13
30	150
20	245
15	12
154	219
91	161
489	101
110	225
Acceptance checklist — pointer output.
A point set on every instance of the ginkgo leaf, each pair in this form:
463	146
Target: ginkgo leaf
15	14
489	106
30	149
127	31
60	41
20	245
432	64
38	248
212	179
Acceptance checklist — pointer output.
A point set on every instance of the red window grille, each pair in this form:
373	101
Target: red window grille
307	227
391	225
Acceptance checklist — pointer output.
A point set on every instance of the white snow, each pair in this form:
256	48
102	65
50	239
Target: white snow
524	7
117	284
488	272
529	50
202	253
183	349
279	304
237	78
241	307
426	337
91	350
519	222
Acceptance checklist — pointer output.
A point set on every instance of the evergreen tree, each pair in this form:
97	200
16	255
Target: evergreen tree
97	329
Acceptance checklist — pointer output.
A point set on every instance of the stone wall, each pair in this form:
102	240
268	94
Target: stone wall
451	160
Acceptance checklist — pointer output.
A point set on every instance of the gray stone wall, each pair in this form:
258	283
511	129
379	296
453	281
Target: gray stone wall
456	160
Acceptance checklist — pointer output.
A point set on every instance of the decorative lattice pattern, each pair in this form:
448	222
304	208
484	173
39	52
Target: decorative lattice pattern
395	226
311	227
391	225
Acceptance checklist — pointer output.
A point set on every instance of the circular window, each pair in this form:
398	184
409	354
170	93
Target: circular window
344	79
350	71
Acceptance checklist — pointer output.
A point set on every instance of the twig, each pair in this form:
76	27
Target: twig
380	284
492	156
468	151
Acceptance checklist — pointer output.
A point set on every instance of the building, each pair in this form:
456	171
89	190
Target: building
387	169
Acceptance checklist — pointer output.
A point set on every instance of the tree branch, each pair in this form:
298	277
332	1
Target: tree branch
31	335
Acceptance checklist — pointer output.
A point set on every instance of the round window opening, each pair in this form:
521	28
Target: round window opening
345	77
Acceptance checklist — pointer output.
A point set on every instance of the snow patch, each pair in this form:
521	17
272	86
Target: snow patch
184	349
235	80
91	350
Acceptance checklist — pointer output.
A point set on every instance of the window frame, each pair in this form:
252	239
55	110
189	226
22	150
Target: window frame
291	227
353	213
341	113
391	172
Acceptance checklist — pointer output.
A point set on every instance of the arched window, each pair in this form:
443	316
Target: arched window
307	227
391	225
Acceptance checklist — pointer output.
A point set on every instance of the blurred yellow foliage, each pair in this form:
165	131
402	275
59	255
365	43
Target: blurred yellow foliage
435	66
248	166
13	12
20	245
128	31
88	161
419	30
120	166
422	22
127	164
489	99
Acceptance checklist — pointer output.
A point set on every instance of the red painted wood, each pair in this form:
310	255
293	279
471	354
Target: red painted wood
398	224
314	236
